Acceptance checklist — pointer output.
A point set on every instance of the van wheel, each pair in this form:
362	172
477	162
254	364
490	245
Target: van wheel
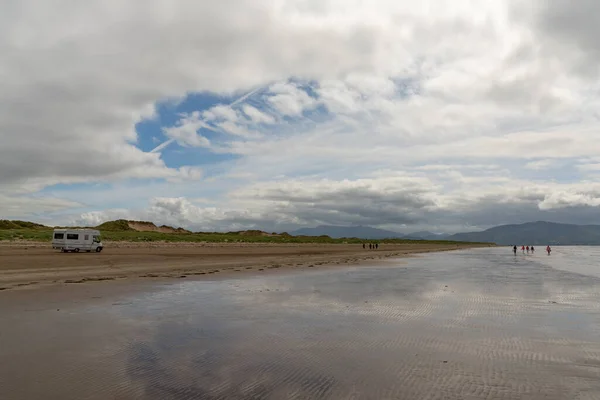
87	251
76	250
98	249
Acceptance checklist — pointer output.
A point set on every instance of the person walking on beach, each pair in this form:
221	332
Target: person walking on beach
376	245
363	245
532	249
548	249
515	249
523	248
527	249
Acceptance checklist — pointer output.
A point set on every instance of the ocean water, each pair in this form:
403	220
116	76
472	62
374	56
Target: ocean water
470	324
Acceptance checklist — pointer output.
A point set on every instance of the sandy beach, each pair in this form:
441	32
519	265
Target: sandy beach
32	264
463	325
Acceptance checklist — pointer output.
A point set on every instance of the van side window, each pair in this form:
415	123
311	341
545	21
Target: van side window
86	237
72	236
59	236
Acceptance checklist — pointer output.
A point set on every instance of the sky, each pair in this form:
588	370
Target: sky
279	114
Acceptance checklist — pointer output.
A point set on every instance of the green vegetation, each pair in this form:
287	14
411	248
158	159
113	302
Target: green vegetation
118	225
120	231
26	234
6	224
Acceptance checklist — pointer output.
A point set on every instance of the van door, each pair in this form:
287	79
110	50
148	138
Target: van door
96	243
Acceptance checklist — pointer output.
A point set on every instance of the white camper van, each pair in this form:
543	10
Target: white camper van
77	240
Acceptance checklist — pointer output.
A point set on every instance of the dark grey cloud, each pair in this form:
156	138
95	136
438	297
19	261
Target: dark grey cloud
571	28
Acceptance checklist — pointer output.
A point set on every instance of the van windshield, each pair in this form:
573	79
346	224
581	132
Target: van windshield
96	239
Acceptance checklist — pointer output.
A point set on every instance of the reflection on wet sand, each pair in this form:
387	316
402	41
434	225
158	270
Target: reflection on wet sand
474	324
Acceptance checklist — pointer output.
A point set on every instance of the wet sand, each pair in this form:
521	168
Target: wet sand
29	264
470	324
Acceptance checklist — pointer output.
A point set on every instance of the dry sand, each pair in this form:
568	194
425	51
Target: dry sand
31	264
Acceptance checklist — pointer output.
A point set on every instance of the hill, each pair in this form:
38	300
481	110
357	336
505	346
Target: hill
426	235
362	232
118	225
122	225
15	224
535	233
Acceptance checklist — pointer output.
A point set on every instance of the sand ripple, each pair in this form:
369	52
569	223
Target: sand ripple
467	325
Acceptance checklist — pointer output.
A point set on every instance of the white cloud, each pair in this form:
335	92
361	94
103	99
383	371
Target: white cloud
187	173
589	166
540	164
459	103
221	112
13	206
186	132
80	80
234	129
257	116
562	199
95	218
288	99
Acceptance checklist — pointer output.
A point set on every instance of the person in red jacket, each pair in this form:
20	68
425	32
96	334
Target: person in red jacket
548	249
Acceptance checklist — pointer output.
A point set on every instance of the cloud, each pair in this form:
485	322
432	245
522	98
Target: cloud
562	199
589	166
540	164
387	113
95	218
257	116
401	202
221	112
79	81
186	132
568	29
290	100
13	206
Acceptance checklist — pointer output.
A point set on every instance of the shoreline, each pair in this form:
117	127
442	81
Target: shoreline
30	265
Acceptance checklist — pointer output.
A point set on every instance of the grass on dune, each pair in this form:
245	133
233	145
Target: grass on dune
45	235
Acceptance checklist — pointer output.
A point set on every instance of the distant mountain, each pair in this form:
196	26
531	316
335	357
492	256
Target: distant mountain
535	233
363	232
426	235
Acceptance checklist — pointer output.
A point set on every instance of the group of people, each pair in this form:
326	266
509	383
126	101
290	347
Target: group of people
371	246
532	249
